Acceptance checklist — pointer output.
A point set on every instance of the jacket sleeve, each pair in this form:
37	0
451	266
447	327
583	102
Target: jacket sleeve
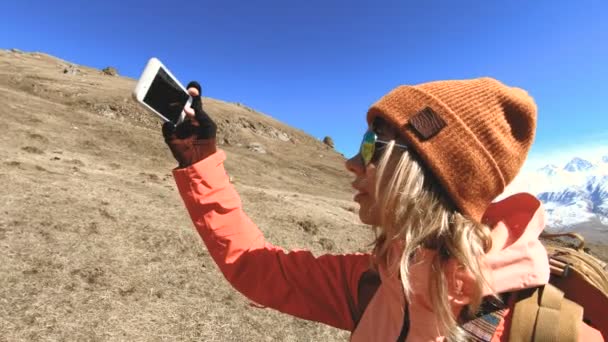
589	334
322	289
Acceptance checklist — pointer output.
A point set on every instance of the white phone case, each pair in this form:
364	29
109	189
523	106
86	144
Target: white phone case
143	85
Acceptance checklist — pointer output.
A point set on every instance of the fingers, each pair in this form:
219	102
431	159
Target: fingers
207	128
194	89
168	130
193	92
195	110
189	112
197	103
197	116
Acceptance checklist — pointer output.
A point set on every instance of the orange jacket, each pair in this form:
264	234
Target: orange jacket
338	290
320	289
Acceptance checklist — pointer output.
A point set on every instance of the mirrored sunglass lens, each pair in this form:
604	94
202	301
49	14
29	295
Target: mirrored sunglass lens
367	146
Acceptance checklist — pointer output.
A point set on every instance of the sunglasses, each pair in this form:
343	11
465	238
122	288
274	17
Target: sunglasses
370	144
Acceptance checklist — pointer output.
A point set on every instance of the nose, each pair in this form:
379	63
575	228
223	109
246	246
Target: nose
355	165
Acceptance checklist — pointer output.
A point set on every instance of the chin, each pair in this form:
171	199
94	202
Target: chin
363	218
366	216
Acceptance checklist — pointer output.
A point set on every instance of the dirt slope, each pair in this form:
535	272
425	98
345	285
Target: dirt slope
94	241
95	244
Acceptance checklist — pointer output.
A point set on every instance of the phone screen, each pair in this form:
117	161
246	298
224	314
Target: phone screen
166	96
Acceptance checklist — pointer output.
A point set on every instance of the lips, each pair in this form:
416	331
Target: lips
358	186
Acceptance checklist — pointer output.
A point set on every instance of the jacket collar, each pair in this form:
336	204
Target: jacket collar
516	261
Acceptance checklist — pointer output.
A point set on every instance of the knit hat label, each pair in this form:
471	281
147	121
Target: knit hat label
427	123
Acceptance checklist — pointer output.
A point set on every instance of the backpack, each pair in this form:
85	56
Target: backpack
577	290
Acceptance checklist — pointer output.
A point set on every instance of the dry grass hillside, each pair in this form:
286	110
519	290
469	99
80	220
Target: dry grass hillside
95	244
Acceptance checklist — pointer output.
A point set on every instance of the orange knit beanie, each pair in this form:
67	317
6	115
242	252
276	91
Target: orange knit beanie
473	135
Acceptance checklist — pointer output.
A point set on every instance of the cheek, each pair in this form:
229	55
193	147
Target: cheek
368	211
370	177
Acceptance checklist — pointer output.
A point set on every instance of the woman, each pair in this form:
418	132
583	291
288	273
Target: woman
446	258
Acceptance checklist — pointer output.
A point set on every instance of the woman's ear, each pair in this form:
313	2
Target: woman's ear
461	283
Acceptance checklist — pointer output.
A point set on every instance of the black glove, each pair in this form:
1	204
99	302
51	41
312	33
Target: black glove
194	139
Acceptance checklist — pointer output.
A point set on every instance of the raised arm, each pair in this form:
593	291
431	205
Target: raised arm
322	289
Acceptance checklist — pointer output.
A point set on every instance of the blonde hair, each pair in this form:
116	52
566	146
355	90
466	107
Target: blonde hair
415	212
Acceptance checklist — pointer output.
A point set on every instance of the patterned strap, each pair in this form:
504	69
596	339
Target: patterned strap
482	327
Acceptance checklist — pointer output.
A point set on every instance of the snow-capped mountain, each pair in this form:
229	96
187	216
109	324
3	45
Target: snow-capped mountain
549	170
575	195
577	164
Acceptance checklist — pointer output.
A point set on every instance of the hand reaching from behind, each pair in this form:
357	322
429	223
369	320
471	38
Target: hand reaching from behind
194	139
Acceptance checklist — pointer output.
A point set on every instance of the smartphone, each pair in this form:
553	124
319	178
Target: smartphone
161	93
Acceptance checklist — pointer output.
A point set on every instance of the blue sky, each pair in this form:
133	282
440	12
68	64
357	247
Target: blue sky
318	65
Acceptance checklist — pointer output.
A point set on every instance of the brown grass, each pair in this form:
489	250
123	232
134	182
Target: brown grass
95	242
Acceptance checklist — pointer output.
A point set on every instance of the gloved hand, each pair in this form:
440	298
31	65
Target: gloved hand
194	139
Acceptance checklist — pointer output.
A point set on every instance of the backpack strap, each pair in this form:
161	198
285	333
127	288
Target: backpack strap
543	314
366	289
482	326
593	298
554	308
